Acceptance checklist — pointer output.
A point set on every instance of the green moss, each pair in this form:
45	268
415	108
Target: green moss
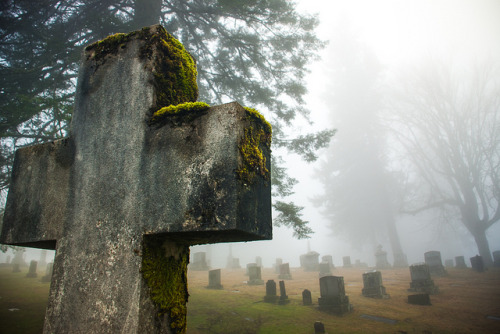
164	267
109	45
257	116
253	160
183	112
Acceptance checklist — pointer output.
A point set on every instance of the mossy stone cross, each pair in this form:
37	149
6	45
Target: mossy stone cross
134	185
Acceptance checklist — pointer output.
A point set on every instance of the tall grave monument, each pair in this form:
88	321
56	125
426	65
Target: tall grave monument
134	185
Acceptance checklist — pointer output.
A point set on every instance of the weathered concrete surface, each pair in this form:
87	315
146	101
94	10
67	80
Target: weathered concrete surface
95	196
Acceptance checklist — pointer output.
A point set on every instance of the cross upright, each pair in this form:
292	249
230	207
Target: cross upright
134	185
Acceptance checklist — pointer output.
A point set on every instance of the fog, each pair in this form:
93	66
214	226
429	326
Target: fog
401	35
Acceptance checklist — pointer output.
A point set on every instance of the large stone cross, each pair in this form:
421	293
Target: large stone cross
134	184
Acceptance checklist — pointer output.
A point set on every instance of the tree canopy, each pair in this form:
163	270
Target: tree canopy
254	51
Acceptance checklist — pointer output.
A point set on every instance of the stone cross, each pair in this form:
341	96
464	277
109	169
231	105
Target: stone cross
134	185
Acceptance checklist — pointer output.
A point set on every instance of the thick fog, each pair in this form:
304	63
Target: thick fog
394	39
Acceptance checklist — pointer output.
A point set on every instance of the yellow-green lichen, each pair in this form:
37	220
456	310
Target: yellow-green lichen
183	112
109	45
164	267
256	139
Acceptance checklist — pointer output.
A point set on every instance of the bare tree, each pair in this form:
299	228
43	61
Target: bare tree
448	123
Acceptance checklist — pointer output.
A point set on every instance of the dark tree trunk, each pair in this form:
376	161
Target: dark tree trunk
146	13
397	250
483	246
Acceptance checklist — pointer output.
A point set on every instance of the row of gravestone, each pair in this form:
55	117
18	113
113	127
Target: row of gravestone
32	271
433	259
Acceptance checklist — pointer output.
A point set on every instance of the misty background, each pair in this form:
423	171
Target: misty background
379	55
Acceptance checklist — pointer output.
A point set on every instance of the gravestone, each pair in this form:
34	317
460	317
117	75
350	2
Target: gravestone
249	265
359	264
477	263
134	185
32	270
329	259
270	296
346	260
214	279
421	279
283	296
258	261
333	298
306	298
319	327
277	265
460	262
254	276
433	259
19	256
496	258
48	273
199	262
310	261
325	269
381	258
372	285
419	299
448	263
285	271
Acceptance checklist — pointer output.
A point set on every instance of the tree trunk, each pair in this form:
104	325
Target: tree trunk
397	250
146	13
483	246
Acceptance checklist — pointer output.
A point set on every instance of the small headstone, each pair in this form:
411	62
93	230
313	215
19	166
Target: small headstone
448	263
199	262
329	259
277	265
372	285
333	297
420	299
258	260
32	271
285	271
254	276
16	268
319	328
306	298
249	265
325	269
433	259
214	279
283	296
359	264
421	279
310	261
460	262
270	296
496	258
477	263
381	258
346	260
48	272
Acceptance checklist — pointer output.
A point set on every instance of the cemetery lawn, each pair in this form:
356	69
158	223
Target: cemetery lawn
465	301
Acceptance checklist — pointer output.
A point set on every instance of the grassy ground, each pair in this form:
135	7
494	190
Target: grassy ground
465	301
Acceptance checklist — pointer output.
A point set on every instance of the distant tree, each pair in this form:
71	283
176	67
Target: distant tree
252	51
448	123
358	188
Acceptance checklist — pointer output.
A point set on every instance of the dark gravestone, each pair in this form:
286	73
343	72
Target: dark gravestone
346	260
419	299
421	279
48	272
254	276
199	262
285	271
277	265
381	258
460	262
310	261
270	296
448	263
372	285
319	328
325	269
283	296
306	298
214	279
329	259
496	258
32	270
433	259
477	263
123	198
333	298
